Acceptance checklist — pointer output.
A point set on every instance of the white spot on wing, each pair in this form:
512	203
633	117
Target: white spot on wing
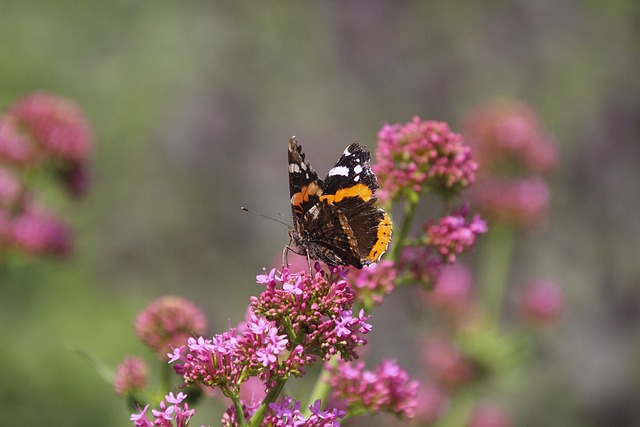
293	167
356	178
315	212
346	152
339	170
357	169
303	166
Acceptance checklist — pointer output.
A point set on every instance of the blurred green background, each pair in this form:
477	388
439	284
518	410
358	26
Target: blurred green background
192	103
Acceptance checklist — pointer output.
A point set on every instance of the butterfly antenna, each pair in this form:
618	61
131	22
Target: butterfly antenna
265	216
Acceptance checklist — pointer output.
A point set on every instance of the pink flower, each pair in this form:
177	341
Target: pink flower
522	202
168	323
541	302
38	232
387	389
421	155
15	147
56	124
422	264
506	135
453	290
514	152
315	308
131	375
454	234
489	415
433	403
287	413
170	413
373	282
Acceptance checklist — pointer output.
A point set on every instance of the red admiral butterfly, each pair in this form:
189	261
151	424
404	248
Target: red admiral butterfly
335	220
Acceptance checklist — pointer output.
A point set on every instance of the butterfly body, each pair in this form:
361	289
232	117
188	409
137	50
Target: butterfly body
335	220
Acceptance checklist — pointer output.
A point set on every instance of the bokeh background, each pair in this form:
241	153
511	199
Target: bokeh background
192	103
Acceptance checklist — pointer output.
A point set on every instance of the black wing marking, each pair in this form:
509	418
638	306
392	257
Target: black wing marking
352	168
300	171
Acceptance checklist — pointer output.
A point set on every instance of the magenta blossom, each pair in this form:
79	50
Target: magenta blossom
454	234
387	389
170	413
373	282
421	155
315	312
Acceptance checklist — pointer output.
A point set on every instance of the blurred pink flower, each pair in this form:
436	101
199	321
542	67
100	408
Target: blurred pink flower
15	147
523	202
56	124
38	232
541	302
433	403
131	375
453	290
169	322
489	415
506	137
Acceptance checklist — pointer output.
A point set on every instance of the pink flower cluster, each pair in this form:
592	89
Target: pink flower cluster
514	152
453	234
373	282
421	155
55	125
387	389
294	321
287	414
315	312
520	201
452	294
131	375
168	322
40	131
506	136
170	414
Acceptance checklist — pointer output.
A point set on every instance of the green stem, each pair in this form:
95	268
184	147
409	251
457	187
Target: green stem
273	394
495	257
239	411
409	212
321	387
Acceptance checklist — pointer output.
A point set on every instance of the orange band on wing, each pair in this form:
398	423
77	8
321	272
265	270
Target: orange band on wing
360	190
303	195
383	239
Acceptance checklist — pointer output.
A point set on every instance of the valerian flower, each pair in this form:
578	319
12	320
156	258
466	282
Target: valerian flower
421	155
387	389
168	322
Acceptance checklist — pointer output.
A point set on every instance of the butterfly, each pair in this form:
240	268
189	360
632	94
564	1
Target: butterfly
335	220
